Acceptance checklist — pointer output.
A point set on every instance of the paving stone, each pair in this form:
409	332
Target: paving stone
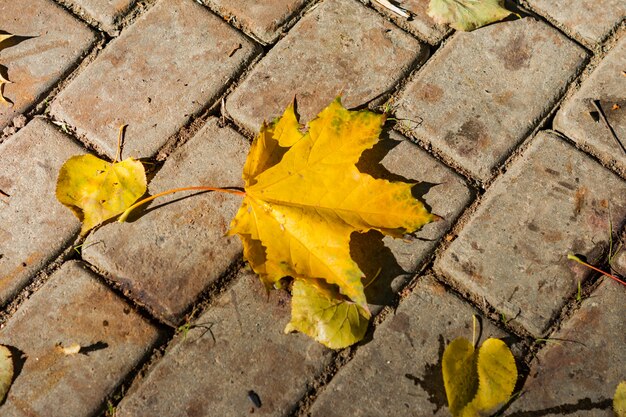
35	65
394	261
107	12
34	226
178	249
607	84
398	373
339	47
239	348
468	101
72	307
164	68
513	251
578	374
590	19
420	23
264	20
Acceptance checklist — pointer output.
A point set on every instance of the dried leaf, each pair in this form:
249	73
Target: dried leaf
478	383
467	15
305	196
72	349
6	371
3	81
619	400
319	311
96	190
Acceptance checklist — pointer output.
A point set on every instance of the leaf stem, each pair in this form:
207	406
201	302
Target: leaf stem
580	261
120	137
126	213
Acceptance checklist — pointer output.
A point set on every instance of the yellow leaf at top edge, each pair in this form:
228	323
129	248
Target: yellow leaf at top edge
318	310
6	371
96	190
467	15
3	81
619	400
303	202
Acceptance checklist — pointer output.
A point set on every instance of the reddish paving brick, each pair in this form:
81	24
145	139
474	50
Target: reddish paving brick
592	20
578	374
239	348
262	19
34	226
35	65
73	307
339	47
178	249
164	68
607	84
467	101
107	12
420	23
399	372
513	252
394	261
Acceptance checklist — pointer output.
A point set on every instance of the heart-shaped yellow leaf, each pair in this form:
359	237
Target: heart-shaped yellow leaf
96	190
319	311
477	383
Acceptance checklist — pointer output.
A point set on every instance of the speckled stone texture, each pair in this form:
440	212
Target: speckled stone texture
484	91
513	251
172	63
107	12
50	44
340	47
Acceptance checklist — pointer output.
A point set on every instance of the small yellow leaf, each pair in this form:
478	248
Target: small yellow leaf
459	374
477	383
6	371
319	311
619	400
467	15
96	190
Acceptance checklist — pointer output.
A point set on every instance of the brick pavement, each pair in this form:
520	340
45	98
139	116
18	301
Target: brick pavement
516	190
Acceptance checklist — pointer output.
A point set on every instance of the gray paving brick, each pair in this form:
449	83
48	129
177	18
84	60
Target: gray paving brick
339	47
164	68
484	91
445	193
399	372
73	307
263	19
606	84
592	20
577	374
170	254
35	65
420	23
513	251
210	372
34	226
107	12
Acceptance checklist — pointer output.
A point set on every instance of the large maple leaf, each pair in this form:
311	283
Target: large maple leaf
304	196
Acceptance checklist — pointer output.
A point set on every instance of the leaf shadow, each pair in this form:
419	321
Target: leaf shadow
94	347
432	380
146	209
584	404
19	359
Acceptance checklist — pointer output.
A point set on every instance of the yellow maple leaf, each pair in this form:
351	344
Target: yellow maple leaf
97	190
304	196
3	81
